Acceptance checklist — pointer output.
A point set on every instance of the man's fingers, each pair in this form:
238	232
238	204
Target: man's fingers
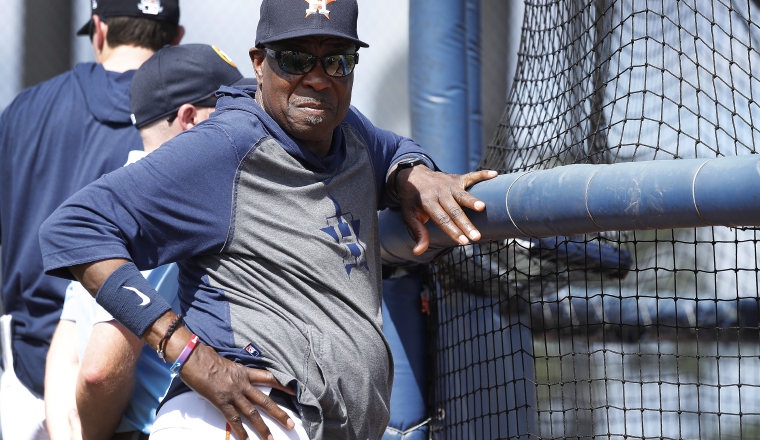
264	378
419	232
250	412
459	217
466	181
474	177
270	407
236	422
464	198
444	221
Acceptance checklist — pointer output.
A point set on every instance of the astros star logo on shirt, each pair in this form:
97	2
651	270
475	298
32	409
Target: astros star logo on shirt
344	229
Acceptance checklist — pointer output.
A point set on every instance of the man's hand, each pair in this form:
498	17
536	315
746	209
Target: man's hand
427	194
229	386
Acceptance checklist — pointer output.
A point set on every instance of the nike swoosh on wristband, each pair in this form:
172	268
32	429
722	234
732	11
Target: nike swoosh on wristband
144	297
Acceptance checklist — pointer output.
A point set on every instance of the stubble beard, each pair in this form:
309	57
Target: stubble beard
314	120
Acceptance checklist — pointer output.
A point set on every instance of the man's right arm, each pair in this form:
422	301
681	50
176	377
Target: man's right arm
227	385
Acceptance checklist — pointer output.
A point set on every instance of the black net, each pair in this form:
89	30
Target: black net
622	334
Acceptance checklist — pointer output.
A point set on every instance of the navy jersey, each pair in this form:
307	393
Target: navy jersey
278	250
55	138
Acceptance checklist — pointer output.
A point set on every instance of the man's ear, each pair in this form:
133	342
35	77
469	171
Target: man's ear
180	34
258	58
187	117
99	34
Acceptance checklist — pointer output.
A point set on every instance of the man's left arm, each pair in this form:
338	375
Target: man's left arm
424	193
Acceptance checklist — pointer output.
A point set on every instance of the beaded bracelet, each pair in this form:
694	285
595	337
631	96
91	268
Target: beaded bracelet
161	349
191	344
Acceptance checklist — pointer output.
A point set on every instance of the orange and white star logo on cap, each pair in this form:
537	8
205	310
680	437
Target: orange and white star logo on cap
318	6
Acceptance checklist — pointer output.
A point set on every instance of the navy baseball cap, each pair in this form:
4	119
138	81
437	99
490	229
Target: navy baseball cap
160	10
177	75
286	19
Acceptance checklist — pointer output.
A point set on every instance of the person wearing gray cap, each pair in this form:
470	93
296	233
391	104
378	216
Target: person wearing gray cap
270	210
171	92
55	138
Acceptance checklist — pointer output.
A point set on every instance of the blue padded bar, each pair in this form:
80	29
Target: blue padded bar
579	199
645	195
557	197
727	191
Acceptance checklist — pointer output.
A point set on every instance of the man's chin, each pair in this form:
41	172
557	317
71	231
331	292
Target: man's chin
315	120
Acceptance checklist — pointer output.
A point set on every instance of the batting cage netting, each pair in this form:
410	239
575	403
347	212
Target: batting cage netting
625	334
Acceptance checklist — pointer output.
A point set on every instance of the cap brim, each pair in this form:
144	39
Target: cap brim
85	30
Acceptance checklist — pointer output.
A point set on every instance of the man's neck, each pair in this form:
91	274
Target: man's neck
123	58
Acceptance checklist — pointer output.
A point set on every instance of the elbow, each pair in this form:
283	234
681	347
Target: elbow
94	377
99	378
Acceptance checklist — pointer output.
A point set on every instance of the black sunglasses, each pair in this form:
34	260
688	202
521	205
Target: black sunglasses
301	63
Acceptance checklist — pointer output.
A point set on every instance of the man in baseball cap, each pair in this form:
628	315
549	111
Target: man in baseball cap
271	210
76	126
175	90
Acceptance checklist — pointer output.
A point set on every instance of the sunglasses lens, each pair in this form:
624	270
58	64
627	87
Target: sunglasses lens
300	63
296	63
339	65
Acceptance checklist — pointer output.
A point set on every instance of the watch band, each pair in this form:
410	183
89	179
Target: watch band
402	166
409	164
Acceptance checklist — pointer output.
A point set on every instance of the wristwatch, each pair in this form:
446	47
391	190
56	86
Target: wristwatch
409	164
401	166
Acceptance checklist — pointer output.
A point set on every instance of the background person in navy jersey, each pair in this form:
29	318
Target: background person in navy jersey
55	138
270	210
121	381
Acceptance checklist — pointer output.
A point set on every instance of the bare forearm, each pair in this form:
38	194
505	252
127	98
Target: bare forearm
61	372
106	379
